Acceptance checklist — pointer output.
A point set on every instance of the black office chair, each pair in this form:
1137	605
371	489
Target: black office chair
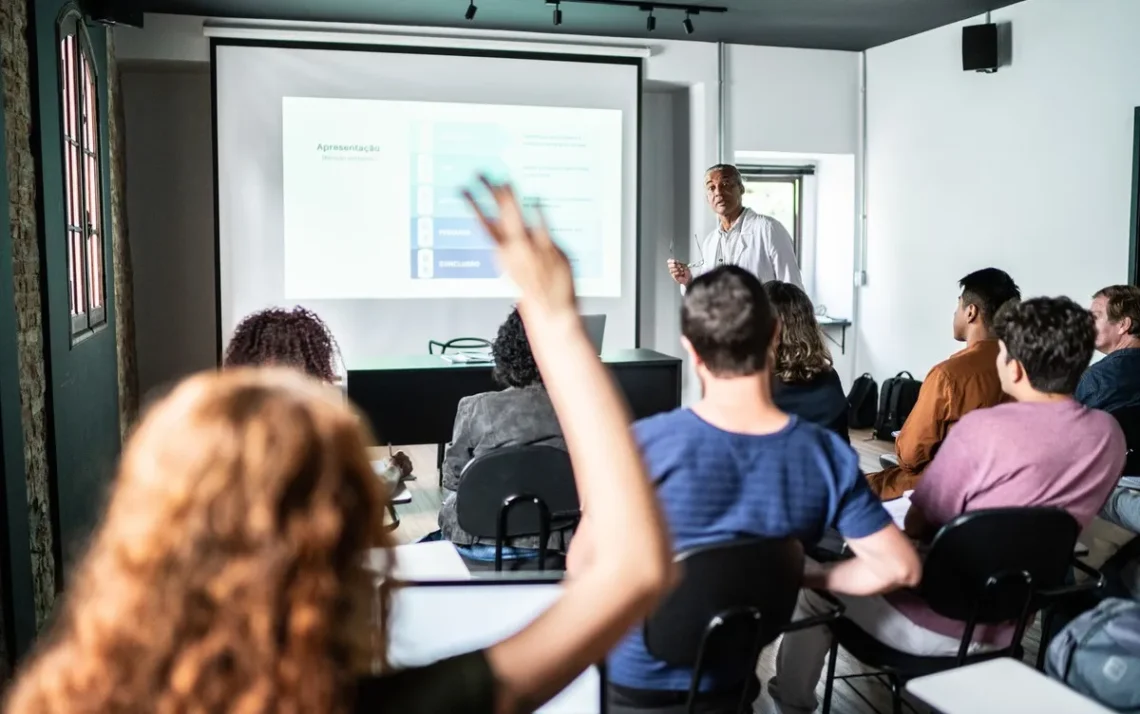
1129	420
459	344
985	567
518	491
734	599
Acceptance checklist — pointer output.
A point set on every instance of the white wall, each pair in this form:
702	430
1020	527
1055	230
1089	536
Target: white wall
779	100
1027	170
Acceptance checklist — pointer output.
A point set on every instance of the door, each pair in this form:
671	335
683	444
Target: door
79	324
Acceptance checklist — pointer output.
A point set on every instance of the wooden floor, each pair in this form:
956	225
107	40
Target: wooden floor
418	518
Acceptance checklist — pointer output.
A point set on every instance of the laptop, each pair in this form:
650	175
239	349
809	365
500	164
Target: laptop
434	619
595	329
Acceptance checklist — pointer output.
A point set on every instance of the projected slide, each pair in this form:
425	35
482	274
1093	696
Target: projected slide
372	194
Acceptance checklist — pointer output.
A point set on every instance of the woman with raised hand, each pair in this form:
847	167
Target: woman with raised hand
227	574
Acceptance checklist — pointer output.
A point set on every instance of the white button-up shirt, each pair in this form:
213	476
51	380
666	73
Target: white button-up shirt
757	243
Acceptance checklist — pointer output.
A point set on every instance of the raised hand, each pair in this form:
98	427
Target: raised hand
527	253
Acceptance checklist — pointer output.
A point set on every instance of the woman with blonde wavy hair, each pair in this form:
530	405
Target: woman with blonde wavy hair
227	574
804	382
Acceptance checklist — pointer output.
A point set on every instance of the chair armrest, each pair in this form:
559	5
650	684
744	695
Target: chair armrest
1095	582
832	615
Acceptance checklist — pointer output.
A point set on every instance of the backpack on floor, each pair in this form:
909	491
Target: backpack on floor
1098	655
863	403
900	393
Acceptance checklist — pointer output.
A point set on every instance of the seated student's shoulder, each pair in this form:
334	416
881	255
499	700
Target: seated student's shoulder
675	425
822	449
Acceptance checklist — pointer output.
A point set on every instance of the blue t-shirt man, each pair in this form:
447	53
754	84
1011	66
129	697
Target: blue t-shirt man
716	486
1113	383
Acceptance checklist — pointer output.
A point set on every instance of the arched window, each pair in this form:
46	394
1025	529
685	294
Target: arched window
82	176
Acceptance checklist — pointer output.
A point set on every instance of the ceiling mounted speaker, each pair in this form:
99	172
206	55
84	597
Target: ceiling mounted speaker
980	48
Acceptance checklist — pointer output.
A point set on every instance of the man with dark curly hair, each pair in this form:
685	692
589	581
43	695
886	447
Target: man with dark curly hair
279	336
1044	449
521	414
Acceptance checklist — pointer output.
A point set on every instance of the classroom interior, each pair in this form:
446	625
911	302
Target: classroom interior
898	172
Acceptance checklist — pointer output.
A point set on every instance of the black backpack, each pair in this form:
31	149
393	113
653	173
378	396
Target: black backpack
863	403
899	396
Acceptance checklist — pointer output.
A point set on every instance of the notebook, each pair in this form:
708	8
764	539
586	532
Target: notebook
433	620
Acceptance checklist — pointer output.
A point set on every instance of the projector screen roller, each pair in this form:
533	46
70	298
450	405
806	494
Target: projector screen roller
340	173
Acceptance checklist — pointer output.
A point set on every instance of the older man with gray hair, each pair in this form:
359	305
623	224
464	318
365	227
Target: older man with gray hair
743	237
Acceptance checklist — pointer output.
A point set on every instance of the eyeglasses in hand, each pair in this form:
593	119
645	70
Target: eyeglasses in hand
696	240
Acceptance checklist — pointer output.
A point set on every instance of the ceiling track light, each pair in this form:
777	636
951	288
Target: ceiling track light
471	10
688	23
651	22
557	14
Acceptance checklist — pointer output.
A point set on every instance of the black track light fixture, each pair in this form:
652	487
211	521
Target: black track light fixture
471	10
557	14
651	22
688	24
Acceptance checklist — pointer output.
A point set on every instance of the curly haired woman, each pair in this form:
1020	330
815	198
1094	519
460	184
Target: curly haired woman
520	414
294	338
804	382
227	574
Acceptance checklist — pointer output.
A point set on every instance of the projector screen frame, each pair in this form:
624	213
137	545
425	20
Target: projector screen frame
552	56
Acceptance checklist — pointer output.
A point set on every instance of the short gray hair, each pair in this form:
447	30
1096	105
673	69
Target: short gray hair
729	171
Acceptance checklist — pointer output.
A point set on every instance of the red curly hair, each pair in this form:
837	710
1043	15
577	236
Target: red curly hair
227	573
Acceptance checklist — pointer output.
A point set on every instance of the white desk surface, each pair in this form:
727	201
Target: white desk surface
1000	686
438	560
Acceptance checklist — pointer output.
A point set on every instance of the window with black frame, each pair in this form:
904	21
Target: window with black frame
778	191
82	177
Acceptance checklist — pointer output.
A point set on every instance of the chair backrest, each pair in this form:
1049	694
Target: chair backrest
1129	420
490	479
458	344
988	565
758	574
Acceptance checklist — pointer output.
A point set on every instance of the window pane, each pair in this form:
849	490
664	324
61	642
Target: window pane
92	194
75	271
773	198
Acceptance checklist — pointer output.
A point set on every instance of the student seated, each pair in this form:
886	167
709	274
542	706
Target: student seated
803	380
952	389
735	466
1043	450
300	339
1114	382
227	573
293	338
521	414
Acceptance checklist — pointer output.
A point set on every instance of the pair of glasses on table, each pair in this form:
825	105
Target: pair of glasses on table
696	240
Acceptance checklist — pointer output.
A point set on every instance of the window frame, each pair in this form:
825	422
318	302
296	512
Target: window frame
793	175
87	274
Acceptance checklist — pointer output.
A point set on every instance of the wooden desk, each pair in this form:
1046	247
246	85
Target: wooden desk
999	686
412	400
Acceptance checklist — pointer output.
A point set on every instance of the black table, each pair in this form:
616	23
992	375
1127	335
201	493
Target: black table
412	400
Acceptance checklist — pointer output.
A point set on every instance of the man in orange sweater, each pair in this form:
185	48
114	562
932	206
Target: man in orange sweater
968	380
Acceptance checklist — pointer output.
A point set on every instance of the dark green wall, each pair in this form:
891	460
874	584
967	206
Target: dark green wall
82	377
17	606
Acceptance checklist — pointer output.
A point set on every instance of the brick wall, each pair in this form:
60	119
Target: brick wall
26	269
123	273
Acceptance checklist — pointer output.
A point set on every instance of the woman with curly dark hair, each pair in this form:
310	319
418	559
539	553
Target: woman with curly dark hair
804	382
521	414
277	336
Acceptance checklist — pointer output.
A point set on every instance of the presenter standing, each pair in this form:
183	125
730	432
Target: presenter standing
743	237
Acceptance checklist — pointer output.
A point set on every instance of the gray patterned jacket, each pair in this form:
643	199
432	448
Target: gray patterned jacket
483	422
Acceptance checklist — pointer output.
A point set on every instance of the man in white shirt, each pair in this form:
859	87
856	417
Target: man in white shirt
757	243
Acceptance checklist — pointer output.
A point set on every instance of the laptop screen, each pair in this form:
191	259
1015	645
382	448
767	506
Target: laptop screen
431	621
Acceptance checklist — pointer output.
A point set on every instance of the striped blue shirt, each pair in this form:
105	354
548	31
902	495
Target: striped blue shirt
716	486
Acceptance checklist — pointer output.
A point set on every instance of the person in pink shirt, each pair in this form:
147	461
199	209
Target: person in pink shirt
1043	449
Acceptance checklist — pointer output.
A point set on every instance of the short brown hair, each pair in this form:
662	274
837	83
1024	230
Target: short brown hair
1123	301
726	317
801	355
